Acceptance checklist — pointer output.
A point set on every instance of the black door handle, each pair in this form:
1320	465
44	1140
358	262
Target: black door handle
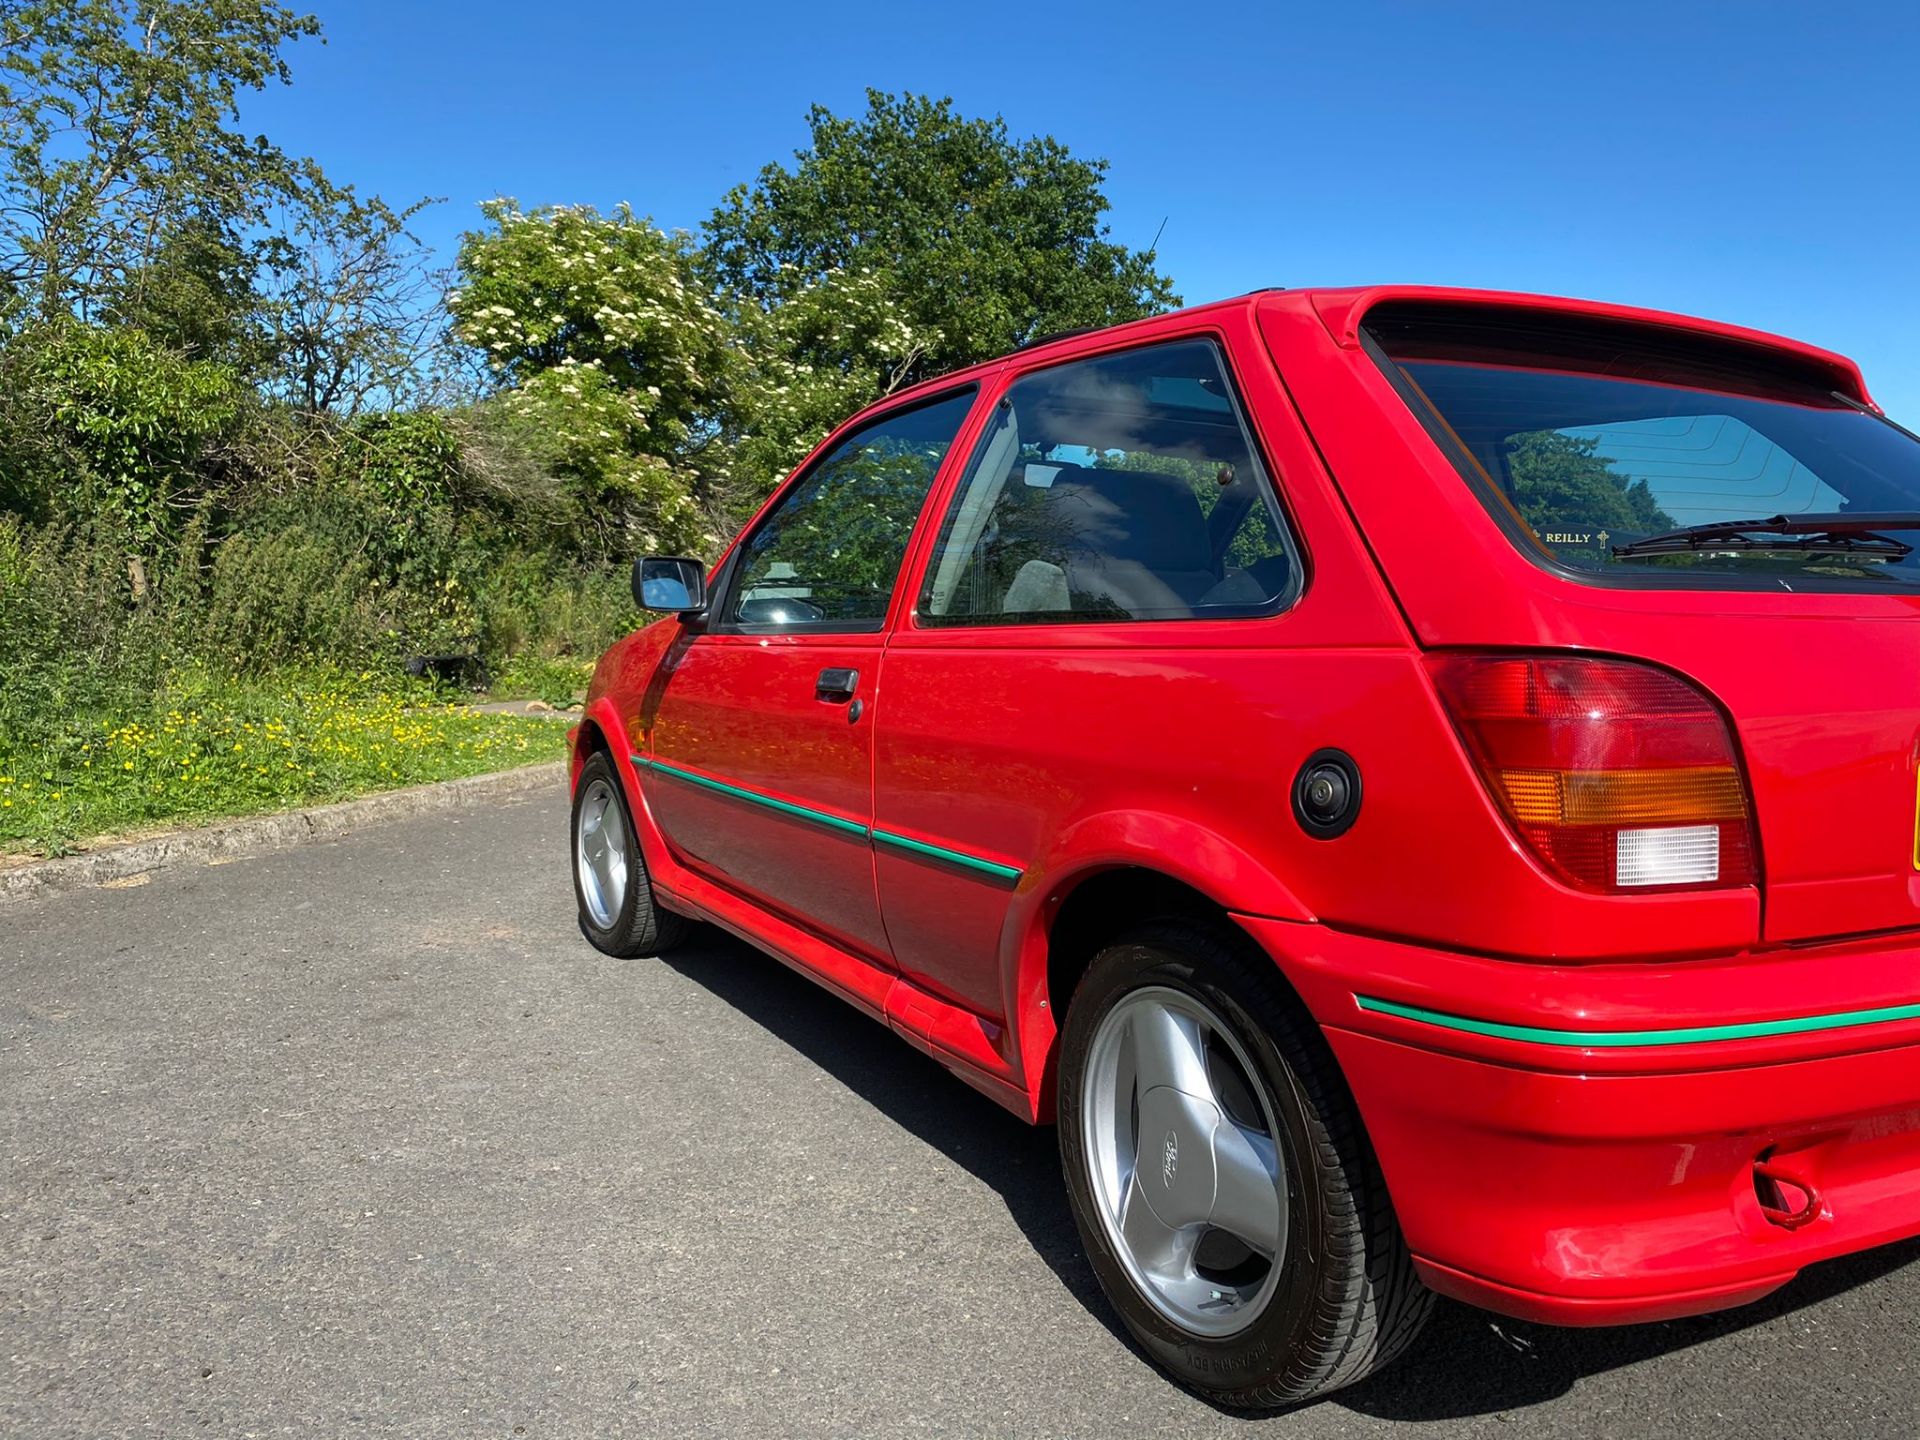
836	687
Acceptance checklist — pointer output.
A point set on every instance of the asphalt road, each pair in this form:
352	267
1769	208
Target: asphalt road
362	1138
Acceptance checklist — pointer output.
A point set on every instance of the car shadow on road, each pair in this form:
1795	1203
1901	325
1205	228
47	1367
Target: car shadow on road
1019	1161
1471	1363
1467	1362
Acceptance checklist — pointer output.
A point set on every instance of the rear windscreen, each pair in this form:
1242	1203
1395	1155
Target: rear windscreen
1617	451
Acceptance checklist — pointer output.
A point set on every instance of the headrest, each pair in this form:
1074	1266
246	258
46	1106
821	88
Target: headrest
1138	515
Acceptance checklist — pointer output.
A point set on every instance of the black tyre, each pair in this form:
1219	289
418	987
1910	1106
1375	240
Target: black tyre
610	882
1224	1189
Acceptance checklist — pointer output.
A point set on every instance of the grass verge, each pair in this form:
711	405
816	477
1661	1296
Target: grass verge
210	747
559	682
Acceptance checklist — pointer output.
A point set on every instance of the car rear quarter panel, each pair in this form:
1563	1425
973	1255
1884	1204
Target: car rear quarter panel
1822	689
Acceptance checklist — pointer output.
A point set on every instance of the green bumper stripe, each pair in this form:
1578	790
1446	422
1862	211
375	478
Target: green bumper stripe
952	857
1617	1039
993	869
720	787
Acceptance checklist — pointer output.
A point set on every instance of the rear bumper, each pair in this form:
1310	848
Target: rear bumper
1577	1145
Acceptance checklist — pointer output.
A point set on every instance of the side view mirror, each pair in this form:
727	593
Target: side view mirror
671	584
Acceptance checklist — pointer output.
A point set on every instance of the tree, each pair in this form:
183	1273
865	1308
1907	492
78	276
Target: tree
828	350
350	302
612	360
117	130
1564	486
983	242
195	296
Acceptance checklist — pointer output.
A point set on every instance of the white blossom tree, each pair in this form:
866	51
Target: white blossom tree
611	361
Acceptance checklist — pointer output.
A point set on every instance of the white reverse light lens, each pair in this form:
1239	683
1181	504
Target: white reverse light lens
1674	855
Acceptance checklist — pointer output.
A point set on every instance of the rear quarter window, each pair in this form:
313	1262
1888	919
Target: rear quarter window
1123	486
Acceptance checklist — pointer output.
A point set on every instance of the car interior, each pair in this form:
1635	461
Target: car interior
1128	495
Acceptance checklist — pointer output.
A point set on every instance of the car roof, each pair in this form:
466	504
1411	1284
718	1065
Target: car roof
1342	310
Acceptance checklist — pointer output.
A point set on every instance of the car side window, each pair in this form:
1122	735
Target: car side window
828	555
1122	487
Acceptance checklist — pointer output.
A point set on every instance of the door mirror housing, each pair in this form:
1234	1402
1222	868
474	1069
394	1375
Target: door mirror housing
670	584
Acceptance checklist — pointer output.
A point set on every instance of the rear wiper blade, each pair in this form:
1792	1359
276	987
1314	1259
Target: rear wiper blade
1851	534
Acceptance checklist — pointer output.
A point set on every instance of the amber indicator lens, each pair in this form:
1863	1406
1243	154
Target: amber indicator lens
1618	776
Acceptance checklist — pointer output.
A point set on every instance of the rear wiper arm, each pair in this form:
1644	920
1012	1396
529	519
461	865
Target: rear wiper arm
1836	534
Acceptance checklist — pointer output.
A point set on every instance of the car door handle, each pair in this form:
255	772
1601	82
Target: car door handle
836	687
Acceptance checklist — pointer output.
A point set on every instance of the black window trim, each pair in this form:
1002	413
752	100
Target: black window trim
1290	534
1529	545
730	579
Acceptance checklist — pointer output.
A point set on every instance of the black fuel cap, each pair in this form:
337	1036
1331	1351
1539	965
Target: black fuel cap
1326	794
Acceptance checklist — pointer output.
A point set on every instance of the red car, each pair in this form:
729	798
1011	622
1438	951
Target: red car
1418	785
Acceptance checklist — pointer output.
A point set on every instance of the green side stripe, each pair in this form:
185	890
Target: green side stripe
832	822
1615	1039
940	852
720	787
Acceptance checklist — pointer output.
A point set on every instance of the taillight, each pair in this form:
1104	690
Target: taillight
1620	777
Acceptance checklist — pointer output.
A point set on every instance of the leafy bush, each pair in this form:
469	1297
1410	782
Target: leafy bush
136	418
70	640
295	591
406	461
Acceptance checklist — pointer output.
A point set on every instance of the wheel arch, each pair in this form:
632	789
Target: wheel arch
599	724
1109	874
584	741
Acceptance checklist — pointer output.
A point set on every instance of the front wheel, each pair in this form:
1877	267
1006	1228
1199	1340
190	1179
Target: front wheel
618	913
1222	1184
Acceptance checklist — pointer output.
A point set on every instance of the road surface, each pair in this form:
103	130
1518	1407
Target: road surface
362	1139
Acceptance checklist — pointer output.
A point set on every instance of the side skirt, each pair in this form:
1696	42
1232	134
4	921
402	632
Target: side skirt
969	1045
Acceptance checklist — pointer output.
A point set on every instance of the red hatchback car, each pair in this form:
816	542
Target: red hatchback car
1419	785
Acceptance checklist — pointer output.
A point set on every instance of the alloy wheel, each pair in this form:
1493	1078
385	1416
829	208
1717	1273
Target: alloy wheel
1181	1149
600	854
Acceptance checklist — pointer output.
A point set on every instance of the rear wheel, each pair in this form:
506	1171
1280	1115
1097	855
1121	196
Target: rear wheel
610	882
1224	1189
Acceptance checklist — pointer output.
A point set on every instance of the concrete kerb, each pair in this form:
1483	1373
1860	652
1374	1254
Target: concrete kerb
235	839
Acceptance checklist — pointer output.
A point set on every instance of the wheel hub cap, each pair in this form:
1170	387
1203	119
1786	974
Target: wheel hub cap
1176	1180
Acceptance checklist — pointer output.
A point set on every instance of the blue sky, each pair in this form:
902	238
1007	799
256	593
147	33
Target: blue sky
1753	162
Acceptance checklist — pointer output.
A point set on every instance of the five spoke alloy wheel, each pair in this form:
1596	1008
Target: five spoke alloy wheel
1182	1154
1219	1174
600	853
617	910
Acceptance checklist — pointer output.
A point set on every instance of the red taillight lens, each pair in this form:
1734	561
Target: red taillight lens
1618	776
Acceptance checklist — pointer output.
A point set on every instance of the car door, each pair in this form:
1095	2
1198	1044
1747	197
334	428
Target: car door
760	768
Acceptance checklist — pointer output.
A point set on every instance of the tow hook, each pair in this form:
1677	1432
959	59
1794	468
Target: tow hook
1788	1199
